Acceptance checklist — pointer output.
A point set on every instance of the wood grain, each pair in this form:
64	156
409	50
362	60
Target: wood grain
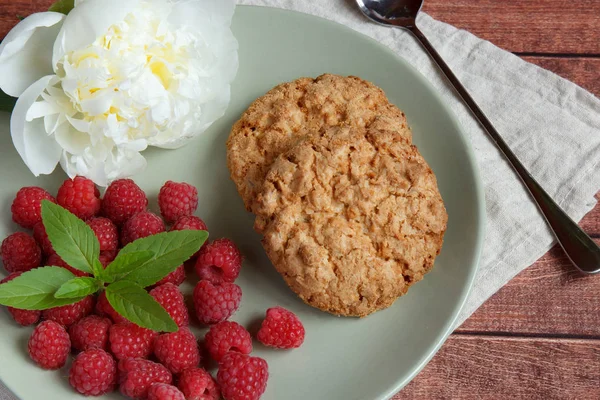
473	367
584	71
11	10
531	26
549	298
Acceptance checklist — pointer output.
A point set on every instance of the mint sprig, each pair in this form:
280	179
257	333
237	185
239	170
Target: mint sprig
139	264
62	6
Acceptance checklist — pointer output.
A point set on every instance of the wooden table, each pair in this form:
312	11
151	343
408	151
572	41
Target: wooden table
539	336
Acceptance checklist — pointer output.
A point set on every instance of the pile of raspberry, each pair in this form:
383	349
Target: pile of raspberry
109	351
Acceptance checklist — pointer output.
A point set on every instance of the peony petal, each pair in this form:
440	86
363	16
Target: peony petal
39	151
87	22
26	52
72	140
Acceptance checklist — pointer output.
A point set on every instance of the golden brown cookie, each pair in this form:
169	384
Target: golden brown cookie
351	218
276	121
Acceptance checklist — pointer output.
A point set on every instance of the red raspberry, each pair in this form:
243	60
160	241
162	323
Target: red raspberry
55	260
27	206
80	196
242	377
49	345
90	333
141	225
136	375
20	253
216	302
93	373
163	391
219	261
282	329
71	313
177	200
103	308
178	350
22	317
106	257
227	336
169	296
197	384
106	232
190	222
41	237
176	277
129	340
122	199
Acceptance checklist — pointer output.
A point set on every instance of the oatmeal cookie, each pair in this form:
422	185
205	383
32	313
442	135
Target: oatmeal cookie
276	121
351	218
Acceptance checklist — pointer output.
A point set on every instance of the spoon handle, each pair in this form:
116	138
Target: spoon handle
579	247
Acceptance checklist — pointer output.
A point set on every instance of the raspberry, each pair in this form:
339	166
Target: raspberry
136	375
129	340
22	317
20	253
176	277
71	313
169	296
163	391
93	373
41	237
122	199
227	336
49	345
178	350
26	207
219	261
242	377
55	260
141	225
80	196
216	302
177	200
192	223
90	333
103	308
282	329
197	384
106	257
106	232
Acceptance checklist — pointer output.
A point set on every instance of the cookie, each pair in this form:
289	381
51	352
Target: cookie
276	121
351	218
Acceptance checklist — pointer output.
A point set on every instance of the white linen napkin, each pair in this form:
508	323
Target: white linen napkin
550	123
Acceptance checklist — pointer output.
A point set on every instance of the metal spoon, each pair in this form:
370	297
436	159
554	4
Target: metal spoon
579	247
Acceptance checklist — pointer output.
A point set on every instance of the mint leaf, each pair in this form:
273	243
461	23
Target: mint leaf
78	287
124	264
72	239
171	250
62	6
135	304
97	268
34	290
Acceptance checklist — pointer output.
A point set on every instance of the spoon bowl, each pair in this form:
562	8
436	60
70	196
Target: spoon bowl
583	252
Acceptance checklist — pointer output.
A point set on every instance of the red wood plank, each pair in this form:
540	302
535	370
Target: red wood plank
581	70
540	26
11	10
475	367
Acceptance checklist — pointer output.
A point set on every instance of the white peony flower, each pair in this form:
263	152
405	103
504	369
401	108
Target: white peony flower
96	87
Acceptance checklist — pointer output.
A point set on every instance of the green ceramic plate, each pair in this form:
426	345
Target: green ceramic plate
342	358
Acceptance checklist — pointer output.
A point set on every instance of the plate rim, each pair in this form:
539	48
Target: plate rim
387	393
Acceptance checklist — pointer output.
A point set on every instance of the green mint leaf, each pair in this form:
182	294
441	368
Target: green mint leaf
7	103
62	6
72	239
97	268
135	304
124	264
78	287
34	290
171	250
